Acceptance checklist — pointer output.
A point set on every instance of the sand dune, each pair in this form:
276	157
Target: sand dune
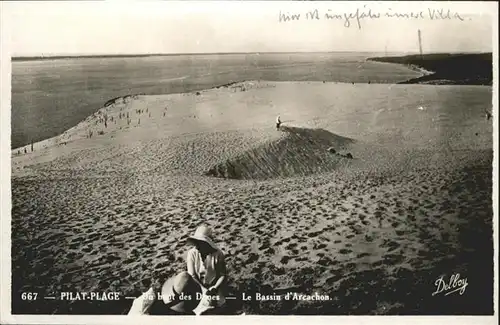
112	211
298	152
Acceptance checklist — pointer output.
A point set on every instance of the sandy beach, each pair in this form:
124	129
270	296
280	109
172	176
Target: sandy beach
108	204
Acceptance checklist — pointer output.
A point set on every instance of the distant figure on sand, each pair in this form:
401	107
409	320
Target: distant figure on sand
488	115
278	123
207	266
170	303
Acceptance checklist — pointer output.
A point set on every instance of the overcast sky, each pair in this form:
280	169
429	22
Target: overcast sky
65	28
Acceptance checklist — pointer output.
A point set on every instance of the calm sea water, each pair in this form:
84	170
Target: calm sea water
51	96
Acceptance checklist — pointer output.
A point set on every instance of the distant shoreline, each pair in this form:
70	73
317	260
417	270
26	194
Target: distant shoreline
110	56
447	68
106	56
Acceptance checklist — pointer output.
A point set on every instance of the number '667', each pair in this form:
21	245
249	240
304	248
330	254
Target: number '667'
29	295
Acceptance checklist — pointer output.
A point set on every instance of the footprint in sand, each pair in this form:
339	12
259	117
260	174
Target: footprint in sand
259	231
393	259
130	260
252	258
400	232
87	249
357	230
344	251
269	251
324	261
319	246
278	270
392	245
265	245
112	258
94	236
74	245
119	245
285	259
333	279
313	234
430	206
350	267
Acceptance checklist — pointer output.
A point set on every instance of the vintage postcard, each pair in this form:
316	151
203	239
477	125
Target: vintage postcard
247	160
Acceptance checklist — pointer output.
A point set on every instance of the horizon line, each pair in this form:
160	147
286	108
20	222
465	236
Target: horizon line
77	56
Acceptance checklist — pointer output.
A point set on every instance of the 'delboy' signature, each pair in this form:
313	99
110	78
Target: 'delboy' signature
451	285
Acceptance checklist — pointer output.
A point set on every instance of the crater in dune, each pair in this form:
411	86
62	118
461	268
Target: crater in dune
297	152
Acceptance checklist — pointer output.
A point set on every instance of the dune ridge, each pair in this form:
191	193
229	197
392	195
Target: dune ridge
298	152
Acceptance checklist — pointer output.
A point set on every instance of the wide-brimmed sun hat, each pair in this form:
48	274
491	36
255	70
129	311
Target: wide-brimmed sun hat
203	233
181	293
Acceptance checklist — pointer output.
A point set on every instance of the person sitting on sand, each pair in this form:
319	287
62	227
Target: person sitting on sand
278	123
170	302
207	266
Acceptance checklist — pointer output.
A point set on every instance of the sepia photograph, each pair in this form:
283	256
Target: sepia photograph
246	158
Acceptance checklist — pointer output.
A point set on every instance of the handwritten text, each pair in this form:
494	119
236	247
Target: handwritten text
356	17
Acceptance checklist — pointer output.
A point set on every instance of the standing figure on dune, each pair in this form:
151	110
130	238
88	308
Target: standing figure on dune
488	114
206	264
278	123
